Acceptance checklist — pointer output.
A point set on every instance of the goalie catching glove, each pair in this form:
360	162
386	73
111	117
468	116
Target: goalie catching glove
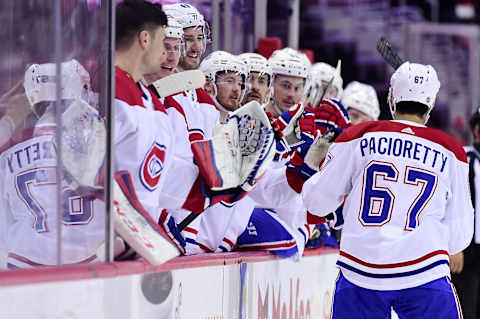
239	151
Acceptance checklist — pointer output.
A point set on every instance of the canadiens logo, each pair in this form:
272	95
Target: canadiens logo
152	166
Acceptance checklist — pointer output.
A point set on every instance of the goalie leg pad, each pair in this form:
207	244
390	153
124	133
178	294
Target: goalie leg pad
135	225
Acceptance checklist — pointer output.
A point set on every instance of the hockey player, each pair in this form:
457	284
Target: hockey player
226	75
361	101
324	75
259	83
408	207
291	79
174	47
28	165
196	33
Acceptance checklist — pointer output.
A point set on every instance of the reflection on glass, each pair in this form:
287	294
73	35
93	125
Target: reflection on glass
29	152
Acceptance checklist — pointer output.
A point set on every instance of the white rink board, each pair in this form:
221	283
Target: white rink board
213	292
290	289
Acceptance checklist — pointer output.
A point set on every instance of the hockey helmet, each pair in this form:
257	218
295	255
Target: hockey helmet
361	97
188	16
414	82
221	61
40	82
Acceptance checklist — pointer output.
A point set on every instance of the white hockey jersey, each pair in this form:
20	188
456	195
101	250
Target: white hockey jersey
408	204
143	140
29	205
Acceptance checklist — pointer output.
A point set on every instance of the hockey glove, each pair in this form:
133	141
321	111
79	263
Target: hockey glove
322	237
331	116
256	143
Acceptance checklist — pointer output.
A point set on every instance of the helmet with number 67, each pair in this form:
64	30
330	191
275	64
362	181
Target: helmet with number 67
415	83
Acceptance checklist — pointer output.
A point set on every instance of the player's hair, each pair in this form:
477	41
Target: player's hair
475	119
134	16
411	107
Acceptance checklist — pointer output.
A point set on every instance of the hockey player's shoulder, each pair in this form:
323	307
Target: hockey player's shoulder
126	90
447	141
358	130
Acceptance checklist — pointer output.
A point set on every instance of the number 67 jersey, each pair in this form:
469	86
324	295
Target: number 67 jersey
408	202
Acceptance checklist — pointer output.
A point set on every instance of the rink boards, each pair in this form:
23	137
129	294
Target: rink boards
213	286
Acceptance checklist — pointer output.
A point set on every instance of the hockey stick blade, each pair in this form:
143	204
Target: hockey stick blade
388	53
179	82
133	223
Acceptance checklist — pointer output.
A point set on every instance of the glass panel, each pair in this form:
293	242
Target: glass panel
34	154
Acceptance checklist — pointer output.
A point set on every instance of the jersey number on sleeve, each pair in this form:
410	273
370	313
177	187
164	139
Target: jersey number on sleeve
377	201
77	210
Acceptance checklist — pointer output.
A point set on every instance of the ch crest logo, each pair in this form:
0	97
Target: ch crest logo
152	166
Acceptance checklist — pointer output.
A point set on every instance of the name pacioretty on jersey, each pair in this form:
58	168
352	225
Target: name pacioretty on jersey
399	147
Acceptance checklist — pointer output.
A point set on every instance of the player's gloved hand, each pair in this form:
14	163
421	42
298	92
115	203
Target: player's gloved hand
167	222
284	128
307	158
331	115
322	237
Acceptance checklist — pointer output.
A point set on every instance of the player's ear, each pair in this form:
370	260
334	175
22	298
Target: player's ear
144	39
208	87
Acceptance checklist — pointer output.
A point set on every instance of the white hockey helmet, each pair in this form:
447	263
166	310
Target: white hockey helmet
188	16
290	62
414	82
362	97
324	72
40	82
256	63
221	61
173	29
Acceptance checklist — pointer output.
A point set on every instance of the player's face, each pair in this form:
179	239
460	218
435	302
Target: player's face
259	88
288	91
331	92
155	53
194	47
357	116
173	47
229	90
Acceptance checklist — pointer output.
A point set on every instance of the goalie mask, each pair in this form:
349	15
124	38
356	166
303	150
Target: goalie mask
363	98
416	83
188	16
257	63
219	62
40	82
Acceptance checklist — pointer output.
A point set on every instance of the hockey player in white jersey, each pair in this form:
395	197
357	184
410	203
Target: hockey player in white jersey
361	101
260	78
226	76
196	33
291	80
28	165
408	207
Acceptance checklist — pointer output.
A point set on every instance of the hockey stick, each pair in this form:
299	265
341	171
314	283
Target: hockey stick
388	53
179	82
329	84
